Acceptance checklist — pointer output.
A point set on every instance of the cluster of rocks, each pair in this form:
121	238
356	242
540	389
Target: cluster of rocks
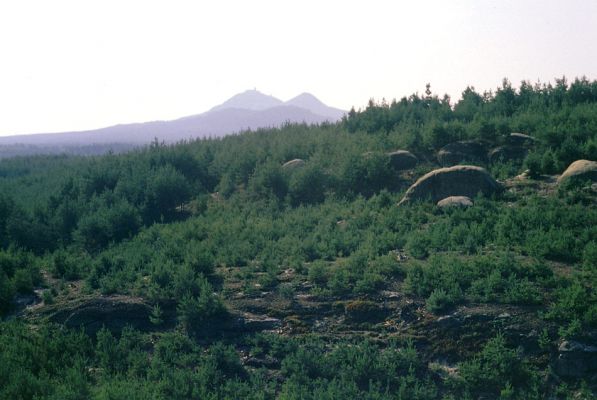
456	185
399	160
515	148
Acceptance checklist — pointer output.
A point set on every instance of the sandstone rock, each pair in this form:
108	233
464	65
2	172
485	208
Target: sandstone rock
402	159
455	201
468	151
524	175
575	359
581	170
460	180
507	153
293	164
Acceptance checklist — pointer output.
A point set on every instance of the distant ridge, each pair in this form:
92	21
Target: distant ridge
247	110
313	104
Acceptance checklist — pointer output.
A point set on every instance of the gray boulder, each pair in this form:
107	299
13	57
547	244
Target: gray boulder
507	153
293	164
520	139
459	180
455	201
402	159
575	359
468	151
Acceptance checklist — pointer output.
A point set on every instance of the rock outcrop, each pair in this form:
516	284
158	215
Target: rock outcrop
575	359
455	201
469	327
293	164
402	159
520	140
112	312
256	323
460	180
507	153
580	170
468	151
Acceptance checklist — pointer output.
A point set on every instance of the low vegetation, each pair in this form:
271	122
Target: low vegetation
263	282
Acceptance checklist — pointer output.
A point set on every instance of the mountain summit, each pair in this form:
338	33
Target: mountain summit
257	101
249	100
313	104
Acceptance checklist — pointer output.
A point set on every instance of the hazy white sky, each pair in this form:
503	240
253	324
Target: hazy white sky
82	64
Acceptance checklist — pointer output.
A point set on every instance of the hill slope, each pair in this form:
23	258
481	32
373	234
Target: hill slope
217	269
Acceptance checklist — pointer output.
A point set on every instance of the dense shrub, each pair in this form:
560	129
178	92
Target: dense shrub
498	370
196	311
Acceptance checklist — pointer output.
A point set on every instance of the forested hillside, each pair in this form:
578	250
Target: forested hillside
278	263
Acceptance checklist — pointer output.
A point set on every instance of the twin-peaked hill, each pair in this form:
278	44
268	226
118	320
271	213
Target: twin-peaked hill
248	110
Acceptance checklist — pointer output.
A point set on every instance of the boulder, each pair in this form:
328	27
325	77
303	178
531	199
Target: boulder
402	159
455	201
468	151
580	170
112	312
459	180
507	153
575	359
268	362
293	164
520	139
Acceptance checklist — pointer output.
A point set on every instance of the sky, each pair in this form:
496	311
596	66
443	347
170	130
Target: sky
83	64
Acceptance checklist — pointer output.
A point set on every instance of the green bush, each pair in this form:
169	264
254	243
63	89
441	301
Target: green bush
196	312
371	282
521	291
68	265
574	302
496	369
47	297
318	273
6	293
439	301
22	281
362	310
418	246
532	162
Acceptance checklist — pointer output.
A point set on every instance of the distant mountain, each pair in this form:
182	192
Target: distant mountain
313	104
248	110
